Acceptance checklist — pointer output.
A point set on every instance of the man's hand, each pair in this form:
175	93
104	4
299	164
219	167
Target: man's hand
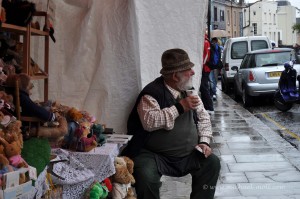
190	103
206	149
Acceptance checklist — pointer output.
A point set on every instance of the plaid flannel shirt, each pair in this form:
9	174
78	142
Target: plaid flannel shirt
153	118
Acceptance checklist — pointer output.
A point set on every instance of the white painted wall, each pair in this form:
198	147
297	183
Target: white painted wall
266	19
269	20
286	19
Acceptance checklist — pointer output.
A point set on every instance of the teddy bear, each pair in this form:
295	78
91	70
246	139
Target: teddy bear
7	99
13	152
88	117
54	107
1	149
13	132
7	109
74	115
4	167
86	142
55	132
123	179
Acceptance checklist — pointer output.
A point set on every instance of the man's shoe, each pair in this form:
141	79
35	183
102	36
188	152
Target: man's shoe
214	97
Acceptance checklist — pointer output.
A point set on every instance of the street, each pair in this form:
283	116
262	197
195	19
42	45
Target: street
286	124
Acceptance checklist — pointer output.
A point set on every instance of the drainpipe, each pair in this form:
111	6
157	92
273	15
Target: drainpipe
231	20
209	19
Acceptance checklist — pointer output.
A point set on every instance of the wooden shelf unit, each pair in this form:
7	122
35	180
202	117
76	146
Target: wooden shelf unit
27	33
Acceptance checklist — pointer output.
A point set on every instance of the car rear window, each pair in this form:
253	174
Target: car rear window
272	59
258	44
239	49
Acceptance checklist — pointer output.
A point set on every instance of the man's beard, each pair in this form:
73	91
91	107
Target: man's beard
184	82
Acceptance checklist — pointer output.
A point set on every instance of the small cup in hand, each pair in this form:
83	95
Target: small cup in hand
192	93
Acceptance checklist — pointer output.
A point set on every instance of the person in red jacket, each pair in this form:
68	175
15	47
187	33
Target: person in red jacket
204	87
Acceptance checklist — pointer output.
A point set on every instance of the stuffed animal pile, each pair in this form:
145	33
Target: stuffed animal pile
84	134
11	144
123	179
73	129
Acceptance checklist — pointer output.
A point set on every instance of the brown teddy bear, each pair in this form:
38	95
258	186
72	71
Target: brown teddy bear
123	179
13	132
4	167
56	132
74	114
7	108
7	98
13	153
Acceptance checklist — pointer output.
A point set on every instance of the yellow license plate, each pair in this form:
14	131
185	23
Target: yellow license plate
274	74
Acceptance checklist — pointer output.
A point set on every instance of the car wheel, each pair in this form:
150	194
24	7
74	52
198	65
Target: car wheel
235	92
247	99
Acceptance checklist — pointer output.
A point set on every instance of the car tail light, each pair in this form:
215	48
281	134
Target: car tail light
226	67
251	77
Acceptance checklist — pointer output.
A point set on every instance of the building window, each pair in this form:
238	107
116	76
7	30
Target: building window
254	12
215	13
254	28
222	15
274	19
234	18
228	17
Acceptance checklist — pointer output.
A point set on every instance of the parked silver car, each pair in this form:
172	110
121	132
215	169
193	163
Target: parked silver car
260	71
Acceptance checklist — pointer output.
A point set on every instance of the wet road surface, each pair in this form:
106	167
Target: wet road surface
286	124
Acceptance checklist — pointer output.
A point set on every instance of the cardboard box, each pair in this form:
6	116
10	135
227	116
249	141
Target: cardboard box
11	189
11	179
17	192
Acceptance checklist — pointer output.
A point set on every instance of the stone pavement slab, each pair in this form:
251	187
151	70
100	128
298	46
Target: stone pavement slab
256	163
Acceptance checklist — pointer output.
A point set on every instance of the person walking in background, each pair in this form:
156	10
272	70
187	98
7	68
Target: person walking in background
167	126
205	87
213	75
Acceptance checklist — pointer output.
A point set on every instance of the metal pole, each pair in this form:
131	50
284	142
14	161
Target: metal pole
231	24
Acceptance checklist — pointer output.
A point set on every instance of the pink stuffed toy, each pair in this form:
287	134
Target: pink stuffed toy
87	143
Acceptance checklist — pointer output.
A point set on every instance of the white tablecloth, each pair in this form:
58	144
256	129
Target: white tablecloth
100	161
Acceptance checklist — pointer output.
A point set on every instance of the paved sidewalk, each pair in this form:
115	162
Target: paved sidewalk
256	162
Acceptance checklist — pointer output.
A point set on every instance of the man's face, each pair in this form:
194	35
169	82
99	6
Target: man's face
185	79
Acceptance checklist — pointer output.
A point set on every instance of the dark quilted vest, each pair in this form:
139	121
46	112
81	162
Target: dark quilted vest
183	136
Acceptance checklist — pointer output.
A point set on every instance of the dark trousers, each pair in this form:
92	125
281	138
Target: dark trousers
147	177
205	92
